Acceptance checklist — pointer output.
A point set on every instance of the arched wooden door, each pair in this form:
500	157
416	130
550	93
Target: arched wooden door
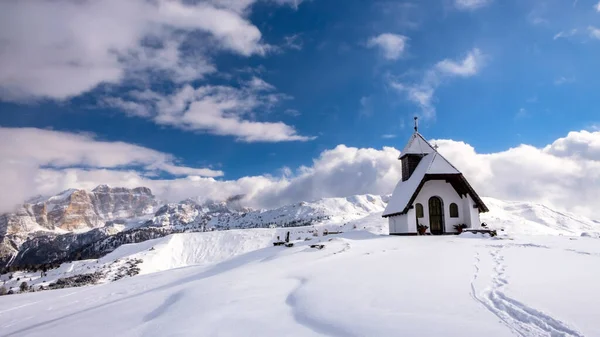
436	216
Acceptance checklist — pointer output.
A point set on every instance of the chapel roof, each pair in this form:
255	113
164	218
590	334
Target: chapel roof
417	145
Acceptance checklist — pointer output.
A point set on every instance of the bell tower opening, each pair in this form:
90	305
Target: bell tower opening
409	164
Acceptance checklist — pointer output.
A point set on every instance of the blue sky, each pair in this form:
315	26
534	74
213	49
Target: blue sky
250	88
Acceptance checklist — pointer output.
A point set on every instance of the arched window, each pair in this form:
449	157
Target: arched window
453	210
419	209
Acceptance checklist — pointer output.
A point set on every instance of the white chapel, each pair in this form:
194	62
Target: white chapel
432	193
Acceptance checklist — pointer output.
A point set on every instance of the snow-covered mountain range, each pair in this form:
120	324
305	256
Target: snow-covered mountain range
79	210
78	224
70	212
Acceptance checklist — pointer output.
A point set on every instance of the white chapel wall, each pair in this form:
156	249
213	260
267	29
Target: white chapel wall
412	220
446	192
466	209
474	214
403	224
398	224
467	214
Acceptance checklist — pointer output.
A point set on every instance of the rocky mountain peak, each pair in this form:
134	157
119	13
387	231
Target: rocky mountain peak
105	189
72	210
101	189
76	210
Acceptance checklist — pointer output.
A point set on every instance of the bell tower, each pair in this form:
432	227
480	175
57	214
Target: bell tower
414	151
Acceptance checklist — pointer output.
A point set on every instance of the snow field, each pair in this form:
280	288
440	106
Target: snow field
360	284
538	278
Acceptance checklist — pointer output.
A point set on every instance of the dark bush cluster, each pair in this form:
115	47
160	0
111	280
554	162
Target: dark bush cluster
76	281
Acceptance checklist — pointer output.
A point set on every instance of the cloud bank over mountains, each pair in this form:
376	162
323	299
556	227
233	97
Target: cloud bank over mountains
564	174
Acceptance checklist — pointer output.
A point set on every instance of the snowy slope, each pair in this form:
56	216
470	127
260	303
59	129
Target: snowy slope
531	218
360	284
170	252
187	249
363	283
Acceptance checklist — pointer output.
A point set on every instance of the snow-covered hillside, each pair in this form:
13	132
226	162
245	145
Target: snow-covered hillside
357	213
519	217
360	284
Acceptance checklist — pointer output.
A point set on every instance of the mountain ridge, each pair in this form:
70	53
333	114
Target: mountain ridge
124	216
32	243
71	211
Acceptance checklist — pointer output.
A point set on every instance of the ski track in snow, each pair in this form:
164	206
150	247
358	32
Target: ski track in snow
475	275
581	252
303	317
521	319
344	249
19	307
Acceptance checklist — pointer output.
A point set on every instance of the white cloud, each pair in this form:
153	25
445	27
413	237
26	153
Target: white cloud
337	172
25	152
292	3
62	48
293	42
422	93
389	136
258	84
219	110
579	145
470	4
563	80
565	34
292	112
366	106
522	113
594	32
391	45
536	20
469	66
597	7
129	107
64	149
532	99
20	179
564	175
538	16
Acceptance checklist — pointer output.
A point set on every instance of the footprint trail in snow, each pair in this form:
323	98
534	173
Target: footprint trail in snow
520	318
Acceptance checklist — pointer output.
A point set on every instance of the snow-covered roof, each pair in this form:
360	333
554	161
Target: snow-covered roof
405	189
433	163
440	165
417	145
